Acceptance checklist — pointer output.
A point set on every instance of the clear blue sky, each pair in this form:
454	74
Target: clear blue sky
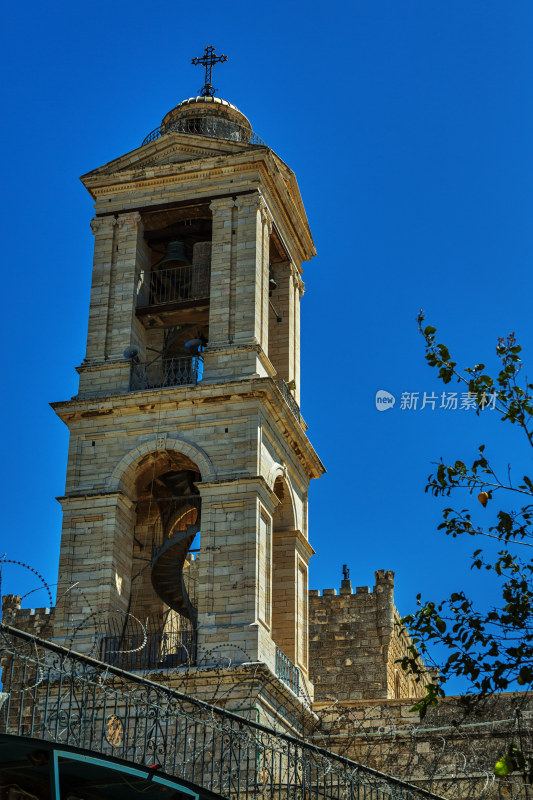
409	126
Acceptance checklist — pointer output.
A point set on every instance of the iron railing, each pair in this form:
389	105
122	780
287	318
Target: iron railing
56	695
150	651
287	671
289	399
178	284
216	127
164	372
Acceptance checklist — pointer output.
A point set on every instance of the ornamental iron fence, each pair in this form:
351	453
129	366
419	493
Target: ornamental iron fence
164	372
216	127
289	398
56	695
177	284
287	671
151	650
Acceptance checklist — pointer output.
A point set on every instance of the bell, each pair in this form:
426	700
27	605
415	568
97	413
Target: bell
175	254
272	283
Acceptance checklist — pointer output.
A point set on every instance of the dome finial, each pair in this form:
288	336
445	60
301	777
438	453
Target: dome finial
208	60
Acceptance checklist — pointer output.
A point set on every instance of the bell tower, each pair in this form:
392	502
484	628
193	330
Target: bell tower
185	534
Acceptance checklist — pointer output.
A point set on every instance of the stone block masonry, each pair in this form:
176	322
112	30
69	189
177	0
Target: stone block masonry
355	642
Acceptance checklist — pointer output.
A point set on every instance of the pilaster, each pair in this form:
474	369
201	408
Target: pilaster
239	307
95	561
290	615
120	260
104	231
235	571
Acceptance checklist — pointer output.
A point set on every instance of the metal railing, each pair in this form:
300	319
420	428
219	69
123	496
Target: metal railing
287	671
56	695
289	398
164	372
177	513
178	284
153	651
216	127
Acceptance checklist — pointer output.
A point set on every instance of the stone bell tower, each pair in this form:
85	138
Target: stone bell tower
185	511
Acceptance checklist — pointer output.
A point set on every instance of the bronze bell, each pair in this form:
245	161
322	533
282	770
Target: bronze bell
176	254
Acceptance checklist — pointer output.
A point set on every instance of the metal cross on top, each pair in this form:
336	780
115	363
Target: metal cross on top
208	60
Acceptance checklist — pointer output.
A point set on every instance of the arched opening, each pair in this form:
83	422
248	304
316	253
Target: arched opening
289	587
159	628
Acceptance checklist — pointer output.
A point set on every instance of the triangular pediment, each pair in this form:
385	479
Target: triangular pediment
172	148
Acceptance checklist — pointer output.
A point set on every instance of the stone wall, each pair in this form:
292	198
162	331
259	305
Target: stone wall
355	642
38	621
450	752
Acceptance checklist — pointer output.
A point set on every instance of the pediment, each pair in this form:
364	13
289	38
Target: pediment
173	148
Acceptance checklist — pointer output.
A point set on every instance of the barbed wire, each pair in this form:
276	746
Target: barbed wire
447	753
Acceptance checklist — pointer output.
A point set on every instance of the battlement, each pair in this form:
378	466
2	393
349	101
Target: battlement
31	620
355	642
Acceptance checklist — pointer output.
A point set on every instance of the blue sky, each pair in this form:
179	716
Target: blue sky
409	127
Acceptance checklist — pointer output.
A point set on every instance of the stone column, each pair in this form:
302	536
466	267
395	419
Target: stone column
235	572
120	257
238	316
104	229
94	564
290	615
298	292
122	297
221	271
281	340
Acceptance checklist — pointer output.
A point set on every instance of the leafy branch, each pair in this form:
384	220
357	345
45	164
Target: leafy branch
492	649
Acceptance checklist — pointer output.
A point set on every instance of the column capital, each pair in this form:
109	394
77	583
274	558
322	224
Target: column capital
129	221
255	200
297	278
100	224
266	217
222	206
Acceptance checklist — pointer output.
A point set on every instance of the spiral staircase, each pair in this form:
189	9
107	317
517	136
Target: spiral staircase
179	522
168	561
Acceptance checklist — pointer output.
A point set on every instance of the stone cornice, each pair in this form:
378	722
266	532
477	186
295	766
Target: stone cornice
104	496
262	389
259	163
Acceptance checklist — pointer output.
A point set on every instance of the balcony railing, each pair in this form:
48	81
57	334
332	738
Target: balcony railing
217	127
287	671
56	695
179	284
165	372
289	399
155	650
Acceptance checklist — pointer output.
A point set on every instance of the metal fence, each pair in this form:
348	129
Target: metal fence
155	651
217	127
56	695
178	284
289	398
164	372
287	671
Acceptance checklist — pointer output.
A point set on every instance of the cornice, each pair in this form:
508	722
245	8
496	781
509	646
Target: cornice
257	165
281	417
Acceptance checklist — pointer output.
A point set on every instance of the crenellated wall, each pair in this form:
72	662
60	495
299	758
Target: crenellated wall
355	643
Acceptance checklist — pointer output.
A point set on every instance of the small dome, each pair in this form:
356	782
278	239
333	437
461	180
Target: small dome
207	116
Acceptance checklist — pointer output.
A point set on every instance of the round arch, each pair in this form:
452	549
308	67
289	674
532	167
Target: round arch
279	472
126	466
